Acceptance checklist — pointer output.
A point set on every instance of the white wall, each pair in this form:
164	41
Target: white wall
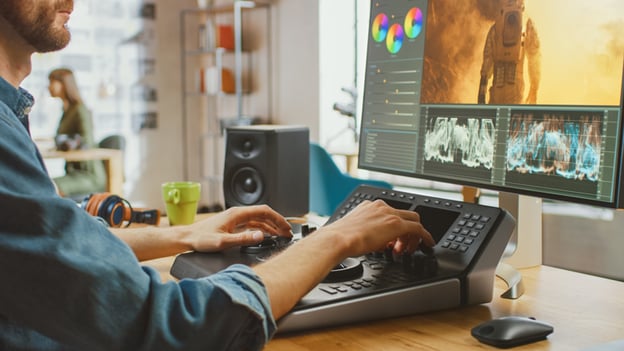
295	55
337	57
296	65
158	152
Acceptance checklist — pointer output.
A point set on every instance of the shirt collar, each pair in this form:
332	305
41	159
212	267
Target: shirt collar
18	100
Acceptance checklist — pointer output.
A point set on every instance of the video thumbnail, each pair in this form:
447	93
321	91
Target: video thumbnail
555	144
459	144
513	52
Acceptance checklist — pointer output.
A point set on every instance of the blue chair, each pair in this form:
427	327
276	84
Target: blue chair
329	186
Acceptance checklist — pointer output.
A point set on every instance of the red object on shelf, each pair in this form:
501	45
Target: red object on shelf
225	37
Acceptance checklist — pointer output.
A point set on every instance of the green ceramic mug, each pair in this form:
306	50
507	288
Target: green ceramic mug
181	200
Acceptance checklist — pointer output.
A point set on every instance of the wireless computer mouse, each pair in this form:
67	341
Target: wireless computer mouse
505	332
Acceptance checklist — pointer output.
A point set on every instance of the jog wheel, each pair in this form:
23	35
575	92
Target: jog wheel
348	269
270	242
263	246
266	248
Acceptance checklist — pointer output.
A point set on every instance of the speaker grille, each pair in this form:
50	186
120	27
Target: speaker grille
247	147
247	186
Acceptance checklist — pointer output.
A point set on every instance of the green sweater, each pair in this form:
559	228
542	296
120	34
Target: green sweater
81	178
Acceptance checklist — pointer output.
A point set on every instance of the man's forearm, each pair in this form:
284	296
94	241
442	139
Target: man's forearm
295	271
154	242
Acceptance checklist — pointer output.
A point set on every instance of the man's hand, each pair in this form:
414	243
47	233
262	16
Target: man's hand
369	227
237	226
373	225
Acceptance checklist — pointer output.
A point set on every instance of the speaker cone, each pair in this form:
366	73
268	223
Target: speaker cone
247	186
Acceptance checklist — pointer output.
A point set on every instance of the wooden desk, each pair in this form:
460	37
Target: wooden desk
113	163
585	311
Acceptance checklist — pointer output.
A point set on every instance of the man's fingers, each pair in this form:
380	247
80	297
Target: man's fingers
248	237
250	216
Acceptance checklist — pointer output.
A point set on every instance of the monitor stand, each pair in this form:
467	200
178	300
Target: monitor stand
513	278
525	245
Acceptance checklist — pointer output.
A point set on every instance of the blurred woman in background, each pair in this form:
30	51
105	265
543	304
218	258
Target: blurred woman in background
75	131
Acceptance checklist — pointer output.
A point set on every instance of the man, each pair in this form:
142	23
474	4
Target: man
69	284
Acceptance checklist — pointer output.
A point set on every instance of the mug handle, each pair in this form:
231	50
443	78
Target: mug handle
174	194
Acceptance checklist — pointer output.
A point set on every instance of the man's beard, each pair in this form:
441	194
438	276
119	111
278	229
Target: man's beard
36	24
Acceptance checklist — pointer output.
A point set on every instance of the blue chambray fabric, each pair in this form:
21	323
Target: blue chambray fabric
67	283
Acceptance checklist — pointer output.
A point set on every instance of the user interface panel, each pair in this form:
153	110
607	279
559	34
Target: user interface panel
520	96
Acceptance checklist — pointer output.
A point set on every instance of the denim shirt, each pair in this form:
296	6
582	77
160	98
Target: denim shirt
67	283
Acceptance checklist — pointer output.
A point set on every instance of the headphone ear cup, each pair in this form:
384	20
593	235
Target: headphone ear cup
127	212
115	210
92	203
112	210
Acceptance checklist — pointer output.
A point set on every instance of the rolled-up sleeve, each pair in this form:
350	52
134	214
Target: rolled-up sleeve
230	308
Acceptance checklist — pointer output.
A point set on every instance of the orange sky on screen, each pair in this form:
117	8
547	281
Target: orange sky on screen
582	49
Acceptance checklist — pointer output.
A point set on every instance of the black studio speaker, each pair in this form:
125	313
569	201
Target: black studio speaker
268	164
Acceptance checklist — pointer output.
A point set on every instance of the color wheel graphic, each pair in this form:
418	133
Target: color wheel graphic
380	27
394	41
413	22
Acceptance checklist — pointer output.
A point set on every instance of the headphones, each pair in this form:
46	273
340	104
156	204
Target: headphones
115	210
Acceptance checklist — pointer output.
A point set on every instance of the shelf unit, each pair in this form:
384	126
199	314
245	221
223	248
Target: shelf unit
206	108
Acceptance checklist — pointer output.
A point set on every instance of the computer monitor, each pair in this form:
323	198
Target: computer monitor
516	96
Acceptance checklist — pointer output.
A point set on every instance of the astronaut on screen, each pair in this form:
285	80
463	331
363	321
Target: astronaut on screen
511	43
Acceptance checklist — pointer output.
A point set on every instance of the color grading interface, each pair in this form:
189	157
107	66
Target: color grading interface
497	94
